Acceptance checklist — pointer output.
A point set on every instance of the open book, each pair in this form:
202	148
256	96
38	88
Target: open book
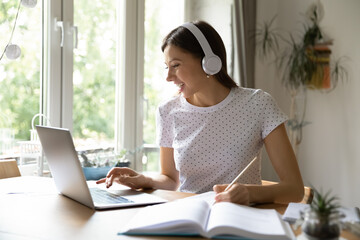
197	217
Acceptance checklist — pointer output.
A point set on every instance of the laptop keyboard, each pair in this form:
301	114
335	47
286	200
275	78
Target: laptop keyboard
105	197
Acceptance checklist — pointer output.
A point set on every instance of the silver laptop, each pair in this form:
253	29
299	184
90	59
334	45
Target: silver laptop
69	178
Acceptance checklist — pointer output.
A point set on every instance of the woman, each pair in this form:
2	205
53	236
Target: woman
213	129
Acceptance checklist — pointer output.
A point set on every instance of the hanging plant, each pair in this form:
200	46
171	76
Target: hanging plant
305	60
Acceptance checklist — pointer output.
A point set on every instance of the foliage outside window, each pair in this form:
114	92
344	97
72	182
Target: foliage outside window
94	72
19	79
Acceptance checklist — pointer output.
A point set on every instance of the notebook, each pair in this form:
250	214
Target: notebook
65	167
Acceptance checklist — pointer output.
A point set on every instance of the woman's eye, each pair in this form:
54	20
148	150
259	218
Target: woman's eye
172	66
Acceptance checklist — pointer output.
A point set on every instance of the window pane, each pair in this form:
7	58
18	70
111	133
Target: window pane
19	78
161	16
94	73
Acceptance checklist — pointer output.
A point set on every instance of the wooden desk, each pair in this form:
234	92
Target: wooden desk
34	210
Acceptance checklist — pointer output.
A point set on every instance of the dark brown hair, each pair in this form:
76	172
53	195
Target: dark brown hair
184	39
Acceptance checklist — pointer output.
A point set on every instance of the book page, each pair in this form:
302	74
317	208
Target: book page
208	197
178	217
229	218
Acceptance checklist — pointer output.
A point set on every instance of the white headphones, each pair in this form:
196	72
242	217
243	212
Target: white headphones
211	63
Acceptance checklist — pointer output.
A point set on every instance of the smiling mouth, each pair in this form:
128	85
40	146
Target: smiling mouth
180	85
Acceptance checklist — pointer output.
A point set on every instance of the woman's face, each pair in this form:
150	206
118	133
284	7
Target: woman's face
184	70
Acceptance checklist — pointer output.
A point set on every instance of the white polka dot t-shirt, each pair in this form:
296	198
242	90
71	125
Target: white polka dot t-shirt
213	144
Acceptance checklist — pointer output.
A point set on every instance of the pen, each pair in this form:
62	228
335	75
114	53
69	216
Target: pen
240	174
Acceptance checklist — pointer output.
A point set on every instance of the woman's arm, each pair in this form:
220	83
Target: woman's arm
290	187
167	179
169	176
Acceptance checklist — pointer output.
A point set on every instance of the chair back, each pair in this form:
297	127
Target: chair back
308	195
9	168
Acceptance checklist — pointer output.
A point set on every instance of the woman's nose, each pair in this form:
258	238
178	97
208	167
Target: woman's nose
169	76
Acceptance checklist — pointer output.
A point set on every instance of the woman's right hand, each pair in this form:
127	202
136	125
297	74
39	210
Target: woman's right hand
127	177
238	193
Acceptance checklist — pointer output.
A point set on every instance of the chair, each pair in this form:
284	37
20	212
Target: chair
9	168
308	192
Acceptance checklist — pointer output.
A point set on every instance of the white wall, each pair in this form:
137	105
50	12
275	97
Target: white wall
329	155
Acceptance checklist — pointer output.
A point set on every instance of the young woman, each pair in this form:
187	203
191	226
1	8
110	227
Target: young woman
213	129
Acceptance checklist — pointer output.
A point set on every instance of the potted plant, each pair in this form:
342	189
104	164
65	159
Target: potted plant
303	61
322	219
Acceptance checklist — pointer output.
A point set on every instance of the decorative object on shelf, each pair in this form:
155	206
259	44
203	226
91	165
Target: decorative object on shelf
96	163
304	64
13	51
323	219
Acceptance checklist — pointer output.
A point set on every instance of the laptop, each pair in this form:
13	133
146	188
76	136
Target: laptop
65	167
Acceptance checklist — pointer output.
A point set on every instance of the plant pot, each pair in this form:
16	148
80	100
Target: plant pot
95	173
320	226
320	56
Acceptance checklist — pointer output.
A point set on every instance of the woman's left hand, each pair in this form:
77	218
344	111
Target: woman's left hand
238	193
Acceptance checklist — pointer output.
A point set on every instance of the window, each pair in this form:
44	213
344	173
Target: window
95	68
94	73
21	80
100	74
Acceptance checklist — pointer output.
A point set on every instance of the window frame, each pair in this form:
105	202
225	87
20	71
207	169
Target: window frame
129	93
53	92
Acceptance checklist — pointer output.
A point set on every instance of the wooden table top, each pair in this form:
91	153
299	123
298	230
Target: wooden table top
31	208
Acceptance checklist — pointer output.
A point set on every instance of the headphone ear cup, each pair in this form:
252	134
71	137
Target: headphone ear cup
211	64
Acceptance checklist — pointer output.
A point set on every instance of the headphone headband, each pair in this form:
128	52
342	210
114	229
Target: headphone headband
199	37
211	63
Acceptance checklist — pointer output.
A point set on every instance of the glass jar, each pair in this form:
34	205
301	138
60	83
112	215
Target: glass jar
321	226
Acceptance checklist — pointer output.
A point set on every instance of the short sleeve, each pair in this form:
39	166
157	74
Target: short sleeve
273	116
164	130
